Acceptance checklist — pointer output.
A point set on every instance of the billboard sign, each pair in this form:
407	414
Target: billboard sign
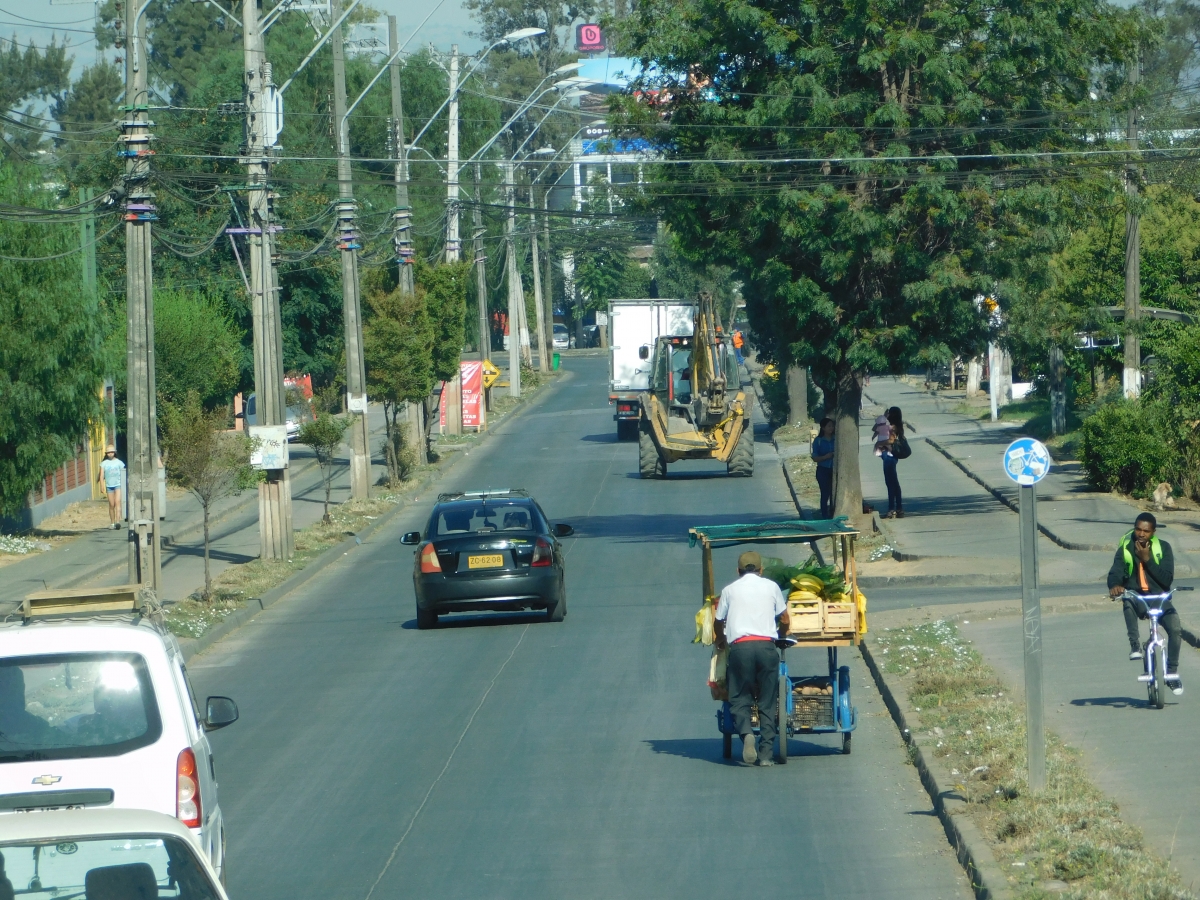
589	38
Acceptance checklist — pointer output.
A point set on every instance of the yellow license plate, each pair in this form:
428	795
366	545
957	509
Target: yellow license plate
491	561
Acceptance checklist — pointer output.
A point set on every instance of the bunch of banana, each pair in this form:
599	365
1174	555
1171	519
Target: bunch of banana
810	583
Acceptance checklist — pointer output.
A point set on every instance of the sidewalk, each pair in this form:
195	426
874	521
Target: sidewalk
101	558
957	470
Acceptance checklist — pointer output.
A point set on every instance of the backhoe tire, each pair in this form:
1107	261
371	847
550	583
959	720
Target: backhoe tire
650	464
741	461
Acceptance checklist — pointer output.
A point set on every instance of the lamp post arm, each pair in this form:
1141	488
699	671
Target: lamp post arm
321	43
524	107
446	102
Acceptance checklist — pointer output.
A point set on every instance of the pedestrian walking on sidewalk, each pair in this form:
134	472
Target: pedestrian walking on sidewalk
896	449
738	342
751	615
112	472
1145	564
822	455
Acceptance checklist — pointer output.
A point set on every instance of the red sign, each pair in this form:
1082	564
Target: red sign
442	408
472	392
589	38
302	383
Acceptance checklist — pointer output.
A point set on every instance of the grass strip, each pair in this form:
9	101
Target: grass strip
238	584
1068	841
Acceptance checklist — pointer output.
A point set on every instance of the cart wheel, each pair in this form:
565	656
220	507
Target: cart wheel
727	746
846	743
784	687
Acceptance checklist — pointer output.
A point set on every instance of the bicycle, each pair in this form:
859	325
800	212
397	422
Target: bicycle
1154	651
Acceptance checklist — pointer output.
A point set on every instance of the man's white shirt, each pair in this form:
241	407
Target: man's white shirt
749	608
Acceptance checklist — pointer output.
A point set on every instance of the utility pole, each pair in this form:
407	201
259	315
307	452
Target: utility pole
402	221
453	246
402	214
485	332
516	293
87	238
356	373
276	540
539	304
145	561
1132	380
548	278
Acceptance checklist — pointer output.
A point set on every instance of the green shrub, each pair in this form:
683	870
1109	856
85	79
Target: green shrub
1128	445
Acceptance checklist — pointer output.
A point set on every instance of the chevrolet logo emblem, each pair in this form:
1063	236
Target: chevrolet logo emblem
47	780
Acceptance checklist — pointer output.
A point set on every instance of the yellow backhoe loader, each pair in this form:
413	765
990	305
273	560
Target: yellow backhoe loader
695	408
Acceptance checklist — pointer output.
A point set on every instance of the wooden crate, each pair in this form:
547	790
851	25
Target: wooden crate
805	617
839	617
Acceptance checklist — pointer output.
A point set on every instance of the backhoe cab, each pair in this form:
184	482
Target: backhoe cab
695	408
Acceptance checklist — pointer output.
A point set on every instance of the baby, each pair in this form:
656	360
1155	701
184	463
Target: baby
882	435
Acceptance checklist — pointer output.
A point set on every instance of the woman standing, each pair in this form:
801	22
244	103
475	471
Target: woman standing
822	455
897	450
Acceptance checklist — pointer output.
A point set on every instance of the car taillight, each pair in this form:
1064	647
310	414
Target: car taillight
543	555
429	559
187	785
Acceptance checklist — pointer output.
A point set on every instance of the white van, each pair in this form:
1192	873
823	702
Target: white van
98	712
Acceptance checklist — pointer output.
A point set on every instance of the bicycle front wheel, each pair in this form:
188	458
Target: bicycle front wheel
1160	678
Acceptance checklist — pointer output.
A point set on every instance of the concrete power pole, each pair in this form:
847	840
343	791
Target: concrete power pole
356	373
538	298
276	540
516	293
1132	376
402	215
145	561
485	331
402	221
453	388
548	277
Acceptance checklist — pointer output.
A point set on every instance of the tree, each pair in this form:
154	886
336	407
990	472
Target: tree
857	178
324	435
398	350
446	302
52	359
197	347
201	456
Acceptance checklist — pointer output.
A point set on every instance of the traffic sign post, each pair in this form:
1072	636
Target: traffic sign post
1027	462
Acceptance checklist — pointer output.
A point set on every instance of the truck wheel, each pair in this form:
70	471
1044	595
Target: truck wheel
741	461
650	464
627	429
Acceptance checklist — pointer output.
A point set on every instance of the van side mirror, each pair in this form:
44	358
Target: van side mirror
644	351
411	537
562	530
219	712
239	415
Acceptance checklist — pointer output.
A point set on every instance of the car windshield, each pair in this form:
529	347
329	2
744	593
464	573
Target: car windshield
73	705
117	866
485	518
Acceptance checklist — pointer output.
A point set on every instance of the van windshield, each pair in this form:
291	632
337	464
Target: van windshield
72	705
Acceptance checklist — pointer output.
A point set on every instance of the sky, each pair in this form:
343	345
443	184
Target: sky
38	20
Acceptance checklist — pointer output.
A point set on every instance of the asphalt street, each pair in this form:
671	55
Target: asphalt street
505	756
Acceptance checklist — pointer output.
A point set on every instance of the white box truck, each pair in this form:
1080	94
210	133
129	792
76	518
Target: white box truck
632	325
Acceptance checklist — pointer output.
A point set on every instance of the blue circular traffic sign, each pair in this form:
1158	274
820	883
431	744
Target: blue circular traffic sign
1026	461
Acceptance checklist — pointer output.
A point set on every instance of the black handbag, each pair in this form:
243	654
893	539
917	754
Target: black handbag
900	448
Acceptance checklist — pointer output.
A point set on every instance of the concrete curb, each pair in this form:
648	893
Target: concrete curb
193	646
964	580
970	846
999	495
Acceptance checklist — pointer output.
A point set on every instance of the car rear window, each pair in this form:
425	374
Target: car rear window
109	866
485	518
74	705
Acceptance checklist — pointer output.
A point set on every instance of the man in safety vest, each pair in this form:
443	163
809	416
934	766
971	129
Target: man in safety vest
738	342
1145	564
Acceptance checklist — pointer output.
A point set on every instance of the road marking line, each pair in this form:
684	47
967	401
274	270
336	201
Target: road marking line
445	768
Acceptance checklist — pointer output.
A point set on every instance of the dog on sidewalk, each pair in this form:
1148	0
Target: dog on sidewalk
1162	497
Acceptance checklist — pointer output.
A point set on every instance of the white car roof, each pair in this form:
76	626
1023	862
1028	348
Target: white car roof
81	635
86	823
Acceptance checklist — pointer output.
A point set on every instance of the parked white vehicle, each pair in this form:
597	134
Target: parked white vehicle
97	712
107	853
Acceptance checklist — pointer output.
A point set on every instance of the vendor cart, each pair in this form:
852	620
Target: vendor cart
817	704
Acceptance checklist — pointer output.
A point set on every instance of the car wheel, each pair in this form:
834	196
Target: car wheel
426	618
558	611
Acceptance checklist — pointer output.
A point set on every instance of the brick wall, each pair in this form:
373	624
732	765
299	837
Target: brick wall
70	475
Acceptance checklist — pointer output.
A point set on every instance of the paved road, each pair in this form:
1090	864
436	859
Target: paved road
509	757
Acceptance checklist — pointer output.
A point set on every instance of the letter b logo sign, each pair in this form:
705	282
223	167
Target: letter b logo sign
589	38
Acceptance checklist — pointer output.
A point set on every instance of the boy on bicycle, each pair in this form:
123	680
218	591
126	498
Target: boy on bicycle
1145	564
